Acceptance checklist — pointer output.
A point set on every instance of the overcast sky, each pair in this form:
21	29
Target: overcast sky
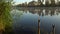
21	1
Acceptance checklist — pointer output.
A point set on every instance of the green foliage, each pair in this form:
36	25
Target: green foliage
5	17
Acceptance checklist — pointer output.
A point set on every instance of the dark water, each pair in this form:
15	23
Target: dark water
26	20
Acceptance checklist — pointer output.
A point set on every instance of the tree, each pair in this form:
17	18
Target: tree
52	2
5	17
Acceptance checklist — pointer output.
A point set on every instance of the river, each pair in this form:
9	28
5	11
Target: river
26	20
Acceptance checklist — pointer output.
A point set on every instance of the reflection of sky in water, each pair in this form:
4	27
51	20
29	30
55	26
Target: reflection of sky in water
29	22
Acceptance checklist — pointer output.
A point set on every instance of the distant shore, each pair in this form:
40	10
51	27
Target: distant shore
37	7
27	8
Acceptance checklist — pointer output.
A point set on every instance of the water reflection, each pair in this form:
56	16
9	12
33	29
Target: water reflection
26	20
43	12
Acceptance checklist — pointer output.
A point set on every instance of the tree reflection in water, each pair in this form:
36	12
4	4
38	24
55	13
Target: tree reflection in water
43	11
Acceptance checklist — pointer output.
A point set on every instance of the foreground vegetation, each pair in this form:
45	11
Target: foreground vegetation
5	17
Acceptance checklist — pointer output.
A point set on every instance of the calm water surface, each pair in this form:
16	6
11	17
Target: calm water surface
26	20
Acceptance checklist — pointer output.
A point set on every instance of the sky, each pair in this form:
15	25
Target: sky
22	1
